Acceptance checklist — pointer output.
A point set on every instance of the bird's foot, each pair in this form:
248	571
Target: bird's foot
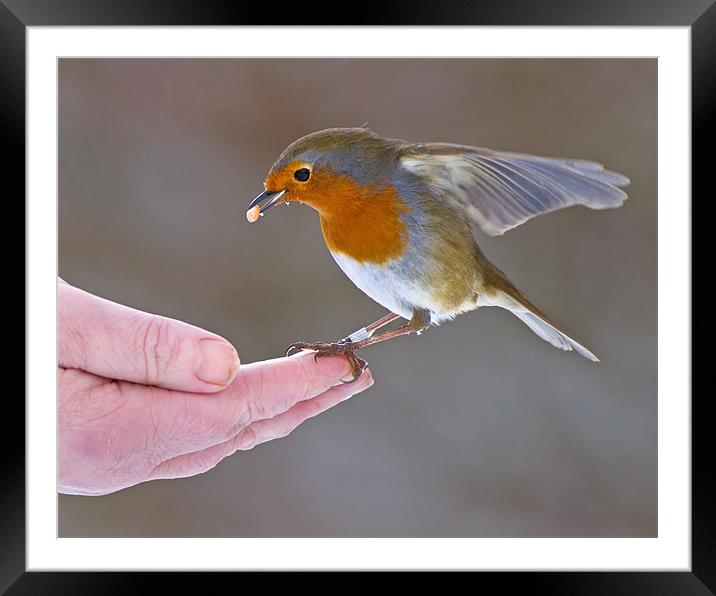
343	347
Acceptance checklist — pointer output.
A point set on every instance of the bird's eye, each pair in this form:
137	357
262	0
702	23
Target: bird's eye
302	175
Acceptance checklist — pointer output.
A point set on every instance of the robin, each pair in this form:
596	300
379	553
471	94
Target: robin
398	218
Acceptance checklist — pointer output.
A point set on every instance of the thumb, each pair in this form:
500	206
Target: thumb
118	342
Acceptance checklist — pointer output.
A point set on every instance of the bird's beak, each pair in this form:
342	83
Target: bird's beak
266	200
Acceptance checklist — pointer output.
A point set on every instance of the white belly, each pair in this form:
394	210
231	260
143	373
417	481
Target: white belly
390	286
381	282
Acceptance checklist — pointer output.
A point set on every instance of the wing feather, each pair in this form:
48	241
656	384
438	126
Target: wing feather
502	190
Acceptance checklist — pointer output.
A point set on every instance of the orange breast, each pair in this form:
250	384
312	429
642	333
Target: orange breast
362	222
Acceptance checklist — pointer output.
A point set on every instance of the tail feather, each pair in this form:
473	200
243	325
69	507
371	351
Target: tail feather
551	334
510	298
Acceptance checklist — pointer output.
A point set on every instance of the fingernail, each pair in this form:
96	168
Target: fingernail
219	362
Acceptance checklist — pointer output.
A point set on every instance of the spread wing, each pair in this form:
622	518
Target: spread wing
499	191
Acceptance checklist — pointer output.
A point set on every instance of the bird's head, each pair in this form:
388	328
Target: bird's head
332	170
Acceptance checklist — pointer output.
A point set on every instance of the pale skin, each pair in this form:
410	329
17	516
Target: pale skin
143	397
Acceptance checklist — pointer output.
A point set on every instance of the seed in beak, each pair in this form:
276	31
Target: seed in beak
253	214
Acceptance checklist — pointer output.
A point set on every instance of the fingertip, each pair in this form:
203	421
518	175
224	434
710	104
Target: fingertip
365	381
333	366
219	363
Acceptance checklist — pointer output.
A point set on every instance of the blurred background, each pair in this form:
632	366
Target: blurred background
477	427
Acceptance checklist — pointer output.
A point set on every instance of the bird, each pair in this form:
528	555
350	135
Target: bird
401	220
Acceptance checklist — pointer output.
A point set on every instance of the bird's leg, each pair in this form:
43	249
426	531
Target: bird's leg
347	347
368	331
419	322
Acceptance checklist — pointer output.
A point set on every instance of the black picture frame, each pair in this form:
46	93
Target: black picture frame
17	15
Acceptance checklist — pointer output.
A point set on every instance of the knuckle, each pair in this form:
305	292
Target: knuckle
248	404
159	349
248	439
313	409
237	424
190	465
283	433
209	462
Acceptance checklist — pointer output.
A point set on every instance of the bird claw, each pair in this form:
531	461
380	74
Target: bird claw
294	348
300	346
358	367
340	348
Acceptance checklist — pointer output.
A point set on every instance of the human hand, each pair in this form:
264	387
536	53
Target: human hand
143	397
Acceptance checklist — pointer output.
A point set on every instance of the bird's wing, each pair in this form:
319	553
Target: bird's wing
500	190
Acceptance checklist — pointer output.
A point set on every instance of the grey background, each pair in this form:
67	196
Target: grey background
477	427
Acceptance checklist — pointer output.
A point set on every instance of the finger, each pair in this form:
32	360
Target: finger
182	423
259	432
171	423
283	424
118	342
273	386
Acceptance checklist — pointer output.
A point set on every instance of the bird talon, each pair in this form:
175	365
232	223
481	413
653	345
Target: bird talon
300	346
358	367
293	349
